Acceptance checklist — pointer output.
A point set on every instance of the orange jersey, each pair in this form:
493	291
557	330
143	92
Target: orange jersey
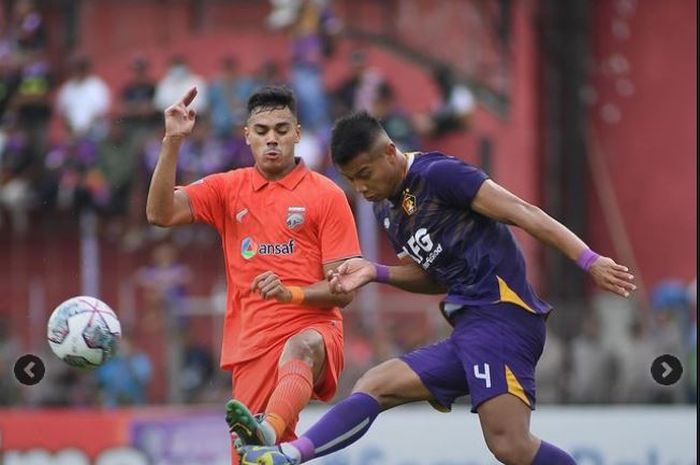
291	227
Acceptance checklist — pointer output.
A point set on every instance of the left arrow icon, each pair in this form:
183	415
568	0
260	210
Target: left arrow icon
29	369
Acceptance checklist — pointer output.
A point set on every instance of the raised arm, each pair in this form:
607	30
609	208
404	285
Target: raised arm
498	203
408	276
164	205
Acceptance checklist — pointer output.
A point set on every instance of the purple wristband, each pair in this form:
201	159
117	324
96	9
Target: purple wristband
382	273
586	259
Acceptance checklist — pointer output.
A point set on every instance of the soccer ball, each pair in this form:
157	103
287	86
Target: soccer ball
84	332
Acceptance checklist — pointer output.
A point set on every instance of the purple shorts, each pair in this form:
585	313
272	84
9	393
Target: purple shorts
492	350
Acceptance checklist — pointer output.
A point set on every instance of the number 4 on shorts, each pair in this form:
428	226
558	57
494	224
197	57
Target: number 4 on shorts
485	374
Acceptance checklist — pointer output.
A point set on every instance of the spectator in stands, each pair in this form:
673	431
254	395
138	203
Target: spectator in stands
670	332
550	376
454	109
312	29
237	153
269	74
314	151
200	154
198	367
177	80
360	89
27	27
9	351
117	158
17	167
137	110
632	382
227	96
83	100
8	80
30	102
164	281
124	379
592	365
66	167
396	122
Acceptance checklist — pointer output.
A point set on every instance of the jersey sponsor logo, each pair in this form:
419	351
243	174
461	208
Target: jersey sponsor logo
408	203
422	249
250	248
295	217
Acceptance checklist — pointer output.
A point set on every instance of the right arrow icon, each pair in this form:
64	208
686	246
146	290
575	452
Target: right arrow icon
666	370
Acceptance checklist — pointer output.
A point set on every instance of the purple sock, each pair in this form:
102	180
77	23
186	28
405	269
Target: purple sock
547	454
344	424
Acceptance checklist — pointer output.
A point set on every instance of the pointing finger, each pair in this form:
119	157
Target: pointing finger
189	96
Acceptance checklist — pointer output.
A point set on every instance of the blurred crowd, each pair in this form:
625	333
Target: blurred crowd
105	156
110	138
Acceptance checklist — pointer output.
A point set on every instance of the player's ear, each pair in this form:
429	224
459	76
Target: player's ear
390	149
246	132
298	131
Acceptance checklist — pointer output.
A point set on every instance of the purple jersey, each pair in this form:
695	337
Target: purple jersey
475	257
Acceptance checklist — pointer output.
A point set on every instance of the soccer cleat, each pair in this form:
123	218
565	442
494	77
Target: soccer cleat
237	443
259	455
250	429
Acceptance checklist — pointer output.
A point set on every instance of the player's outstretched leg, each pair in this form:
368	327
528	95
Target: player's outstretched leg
258	455
248	427
341	426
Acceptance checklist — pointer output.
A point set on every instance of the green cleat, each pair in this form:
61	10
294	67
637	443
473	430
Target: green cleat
249	429
257	455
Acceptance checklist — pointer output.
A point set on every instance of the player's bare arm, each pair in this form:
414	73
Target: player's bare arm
319	294
408	276
164	205
496	202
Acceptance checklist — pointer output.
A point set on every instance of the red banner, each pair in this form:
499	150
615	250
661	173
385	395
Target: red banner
146	436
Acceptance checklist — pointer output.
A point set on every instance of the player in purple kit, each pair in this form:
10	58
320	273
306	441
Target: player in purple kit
448	222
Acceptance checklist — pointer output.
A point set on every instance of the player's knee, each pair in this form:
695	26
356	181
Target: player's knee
511	449
307	346
374	382
383	383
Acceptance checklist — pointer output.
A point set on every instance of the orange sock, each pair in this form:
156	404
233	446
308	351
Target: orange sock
292	393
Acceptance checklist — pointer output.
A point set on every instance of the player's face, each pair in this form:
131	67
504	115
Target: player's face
377	174
272	135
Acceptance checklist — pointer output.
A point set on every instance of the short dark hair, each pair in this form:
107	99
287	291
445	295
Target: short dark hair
352	135
272	98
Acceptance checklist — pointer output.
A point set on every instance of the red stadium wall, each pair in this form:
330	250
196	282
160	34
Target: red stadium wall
644	115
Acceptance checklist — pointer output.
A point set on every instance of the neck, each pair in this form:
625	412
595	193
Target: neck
402	160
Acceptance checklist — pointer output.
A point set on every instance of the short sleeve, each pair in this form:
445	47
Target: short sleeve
206	199
337	230
454	181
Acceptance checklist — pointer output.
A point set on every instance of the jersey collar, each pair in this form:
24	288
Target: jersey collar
290	181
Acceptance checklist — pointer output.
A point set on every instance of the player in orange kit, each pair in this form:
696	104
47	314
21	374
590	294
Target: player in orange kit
283	227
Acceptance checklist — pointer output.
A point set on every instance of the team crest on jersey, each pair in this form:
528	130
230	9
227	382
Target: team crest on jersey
295	217
408	203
